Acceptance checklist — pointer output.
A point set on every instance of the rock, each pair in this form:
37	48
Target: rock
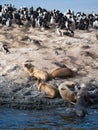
23	38
25	96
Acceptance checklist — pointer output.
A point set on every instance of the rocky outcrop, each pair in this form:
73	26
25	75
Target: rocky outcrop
46	51
25	96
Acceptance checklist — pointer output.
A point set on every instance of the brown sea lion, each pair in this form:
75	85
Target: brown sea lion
37	73
66	92
63	72
49	90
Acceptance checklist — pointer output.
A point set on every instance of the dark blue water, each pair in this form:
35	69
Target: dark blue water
58	118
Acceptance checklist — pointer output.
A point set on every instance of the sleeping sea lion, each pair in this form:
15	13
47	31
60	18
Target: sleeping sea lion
66	92
49	90
63	72
37	73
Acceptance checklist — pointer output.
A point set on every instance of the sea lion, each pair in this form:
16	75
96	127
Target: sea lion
66	92
63	72
37	73
49	90
80	106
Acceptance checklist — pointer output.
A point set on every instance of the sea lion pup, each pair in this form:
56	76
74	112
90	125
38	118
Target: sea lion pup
37	73
80	106
66	92
49	90
63	72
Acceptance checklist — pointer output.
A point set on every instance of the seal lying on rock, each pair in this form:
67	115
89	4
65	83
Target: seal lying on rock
37	73
49	90
63	72
66	92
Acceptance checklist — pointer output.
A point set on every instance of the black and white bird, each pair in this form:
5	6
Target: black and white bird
58	31
8	22
5	47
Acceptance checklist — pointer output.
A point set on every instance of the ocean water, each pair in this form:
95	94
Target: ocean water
58	118
76	5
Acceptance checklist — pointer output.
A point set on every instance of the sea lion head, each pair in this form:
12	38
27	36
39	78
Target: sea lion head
80	113
28	66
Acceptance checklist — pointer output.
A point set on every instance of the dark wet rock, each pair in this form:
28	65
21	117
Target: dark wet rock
26	96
